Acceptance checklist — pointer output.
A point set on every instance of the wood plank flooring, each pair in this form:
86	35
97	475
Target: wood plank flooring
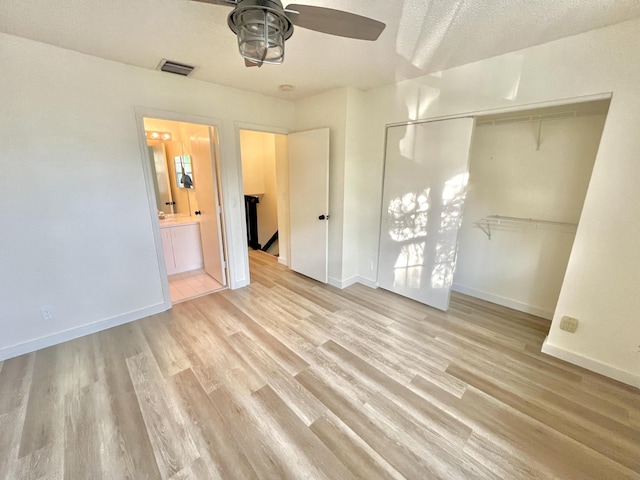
292	379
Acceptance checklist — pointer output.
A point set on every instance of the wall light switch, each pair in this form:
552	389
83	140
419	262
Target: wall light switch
569	324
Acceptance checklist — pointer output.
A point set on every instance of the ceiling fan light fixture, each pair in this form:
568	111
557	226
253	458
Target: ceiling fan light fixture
262	28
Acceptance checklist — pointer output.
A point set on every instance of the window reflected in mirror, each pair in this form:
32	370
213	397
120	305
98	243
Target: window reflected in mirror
184	171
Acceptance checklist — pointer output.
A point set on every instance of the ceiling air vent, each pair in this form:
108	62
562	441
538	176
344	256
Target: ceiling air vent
175	67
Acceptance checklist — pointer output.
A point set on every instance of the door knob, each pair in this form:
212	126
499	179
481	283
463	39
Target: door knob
198	212
323	217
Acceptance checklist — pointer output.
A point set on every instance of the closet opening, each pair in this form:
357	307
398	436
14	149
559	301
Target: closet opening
487	205
529	172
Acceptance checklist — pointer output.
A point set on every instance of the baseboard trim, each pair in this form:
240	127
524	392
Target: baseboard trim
240	284
591	364
366	282
77	332
283	261
505	302
342	283
350	281
188	268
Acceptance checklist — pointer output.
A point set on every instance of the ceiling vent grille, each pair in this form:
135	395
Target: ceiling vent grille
175	67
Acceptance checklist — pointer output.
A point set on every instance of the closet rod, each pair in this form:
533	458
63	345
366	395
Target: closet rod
486	223
536	118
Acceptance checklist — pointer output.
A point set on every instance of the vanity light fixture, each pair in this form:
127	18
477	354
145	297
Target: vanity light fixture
158	135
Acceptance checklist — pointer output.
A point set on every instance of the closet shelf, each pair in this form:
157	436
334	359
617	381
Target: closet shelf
486	223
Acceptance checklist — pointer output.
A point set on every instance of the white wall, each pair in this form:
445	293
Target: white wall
344	111
523	267
282	187
355	138
268	207
600	287
252	153
77	230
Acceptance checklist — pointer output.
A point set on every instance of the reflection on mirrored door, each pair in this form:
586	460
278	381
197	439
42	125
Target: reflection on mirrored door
425	177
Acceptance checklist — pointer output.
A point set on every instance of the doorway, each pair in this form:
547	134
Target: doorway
264	188
265	181
292	172
185	174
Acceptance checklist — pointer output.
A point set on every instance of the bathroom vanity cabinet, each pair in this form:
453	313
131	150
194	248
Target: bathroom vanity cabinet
181	245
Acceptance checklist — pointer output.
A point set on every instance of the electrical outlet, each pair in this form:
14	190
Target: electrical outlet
370	265
569	324
47	313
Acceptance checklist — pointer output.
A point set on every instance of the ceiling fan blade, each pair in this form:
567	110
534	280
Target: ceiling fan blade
334	22
228	3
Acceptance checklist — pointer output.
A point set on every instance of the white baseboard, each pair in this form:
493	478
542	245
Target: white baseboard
350	281
77	332
240	284
366	282
505	302
283	261
188	268
591	364
342	283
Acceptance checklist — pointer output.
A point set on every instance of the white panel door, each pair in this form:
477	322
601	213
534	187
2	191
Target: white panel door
205	183
425	178
309	202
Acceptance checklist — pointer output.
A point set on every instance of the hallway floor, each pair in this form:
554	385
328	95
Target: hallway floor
195	283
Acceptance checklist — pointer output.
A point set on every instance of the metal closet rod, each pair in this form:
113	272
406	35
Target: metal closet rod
485	224
536	118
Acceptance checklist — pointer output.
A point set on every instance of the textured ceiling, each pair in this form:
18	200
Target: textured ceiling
422	36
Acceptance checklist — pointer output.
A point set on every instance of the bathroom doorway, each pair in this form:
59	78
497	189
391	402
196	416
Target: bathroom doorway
184	170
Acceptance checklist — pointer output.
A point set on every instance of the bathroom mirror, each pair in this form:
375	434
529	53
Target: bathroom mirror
161	185
172	197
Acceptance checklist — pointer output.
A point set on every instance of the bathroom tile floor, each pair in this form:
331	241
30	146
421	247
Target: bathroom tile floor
187	285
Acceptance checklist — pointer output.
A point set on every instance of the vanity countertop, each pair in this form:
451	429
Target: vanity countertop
173	221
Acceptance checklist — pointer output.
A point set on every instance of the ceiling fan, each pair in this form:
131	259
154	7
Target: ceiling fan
262	26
